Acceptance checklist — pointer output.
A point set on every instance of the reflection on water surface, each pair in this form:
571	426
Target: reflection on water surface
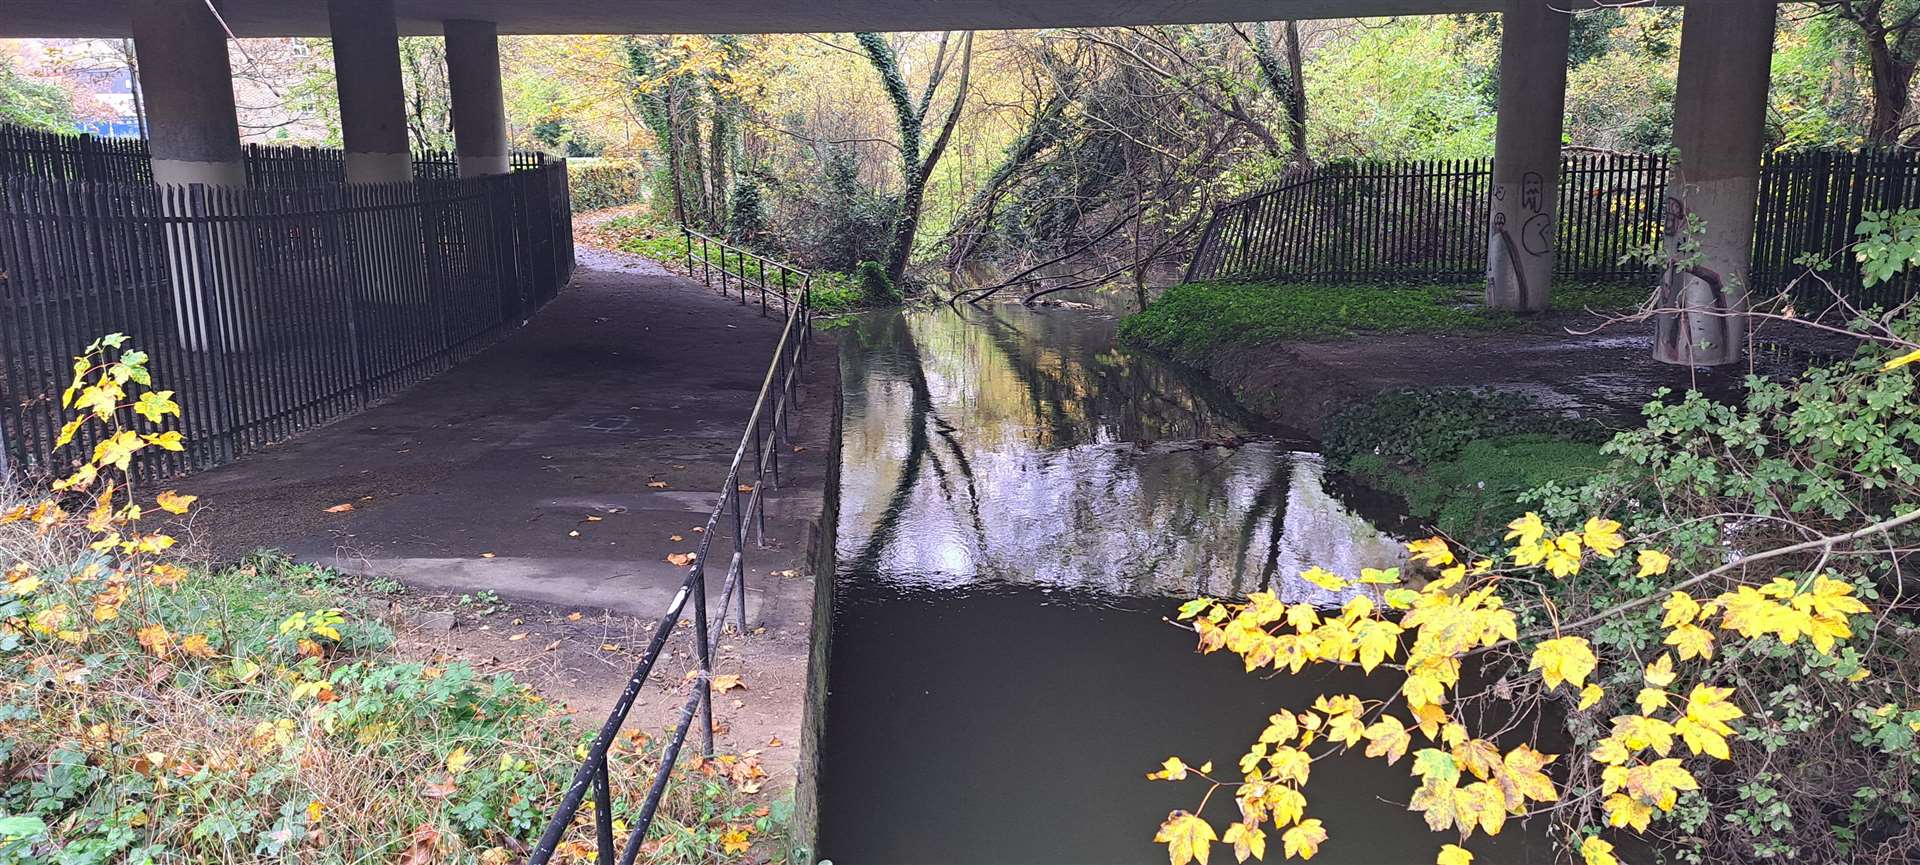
1022	503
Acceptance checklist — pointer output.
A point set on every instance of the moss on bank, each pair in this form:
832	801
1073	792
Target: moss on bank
1193	319
1461	459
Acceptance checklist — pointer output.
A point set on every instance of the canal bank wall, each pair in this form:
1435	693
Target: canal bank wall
822	561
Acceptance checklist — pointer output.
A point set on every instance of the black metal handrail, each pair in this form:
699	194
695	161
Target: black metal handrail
788	275
767	429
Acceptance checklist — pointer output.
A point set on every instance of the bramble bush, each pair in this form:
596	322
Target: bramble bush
153	710
1721	622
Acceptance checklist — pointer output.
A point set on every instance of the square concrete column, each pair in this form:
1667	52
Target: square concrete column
479	108
192	130
193	135
373	101
1526	154
1719	117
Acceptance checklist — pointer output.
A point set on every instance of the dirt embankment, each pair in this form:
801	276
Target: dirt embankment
1607	375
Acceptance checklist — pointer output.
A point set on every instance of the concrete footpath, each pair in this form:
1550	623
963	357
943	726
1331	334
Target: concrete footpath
527	500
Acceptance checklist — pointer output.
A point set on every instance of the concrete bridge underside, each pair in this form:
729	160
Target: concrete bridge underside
1719	110
422	17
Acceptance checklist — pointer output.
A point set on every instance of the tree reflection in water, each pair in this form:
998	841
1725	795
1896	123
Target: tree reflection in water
1019	446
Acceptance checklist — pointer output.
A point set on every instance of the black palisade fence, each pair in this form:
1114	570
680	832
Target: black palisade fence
43	153
1349	222
269	309
39	153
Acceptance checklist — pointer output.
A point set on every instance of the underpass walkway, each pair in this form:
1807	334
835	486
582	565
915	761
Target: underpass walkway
556	466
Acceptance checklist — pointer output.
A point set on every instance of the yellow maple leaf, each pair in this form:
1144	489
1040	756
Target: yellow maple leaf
118	451
1565	659
1388	738
154	638
1526	772
1303	617
1652	563
458	760
1281	727
1432	551
1324	579
1174	769
1594	851
1590	695
155	405
1660	782
1290	764
1829	598
171	440
1480	803
1639	731
196	645
1304	839
1248	839
1188	838
1378	640
1454	854
1681	609
1660	674
1825	631
173	502
734	840
1528	530
1691	641
1602	536
1624	811
1563	555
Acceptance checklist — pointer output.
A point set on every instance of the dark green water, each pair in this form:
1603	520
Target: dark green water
1022	505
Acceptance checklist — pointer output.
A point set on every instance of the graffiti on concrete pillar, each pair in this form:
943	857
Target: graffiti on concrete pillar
1533	192
1536	236
1680	328
1504	256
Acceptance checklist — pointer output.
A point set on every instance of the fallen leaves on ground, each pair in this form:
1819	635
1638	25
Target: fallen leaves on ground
680	560
341	508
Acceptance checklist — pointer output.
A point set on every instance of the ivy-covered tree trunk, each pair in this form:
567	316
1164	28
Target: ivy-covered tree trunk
1287	82
720	146
915	169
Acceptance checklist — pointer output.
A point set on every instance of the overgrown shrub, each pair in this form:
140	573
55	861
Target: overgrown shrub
1722	621
840	223
875	288
597	184
749	217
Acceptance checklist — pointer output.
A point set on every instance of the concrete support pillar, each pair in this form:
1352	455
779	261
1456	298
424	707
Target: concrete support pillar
479	107
1719	116
1526	154
192	130
373	101
194	138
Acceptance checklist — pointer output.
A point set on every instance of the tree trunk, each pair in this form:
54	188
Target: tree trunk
717	142
1297	103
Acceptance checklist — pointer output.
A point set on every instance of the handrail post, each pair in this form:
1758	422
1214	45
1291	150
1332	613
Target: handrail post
706	263
740	548
602	814
686	236
705	655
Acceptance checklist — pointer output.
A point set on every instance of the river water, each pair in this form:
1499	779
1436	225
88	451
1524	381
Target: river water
1023	504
